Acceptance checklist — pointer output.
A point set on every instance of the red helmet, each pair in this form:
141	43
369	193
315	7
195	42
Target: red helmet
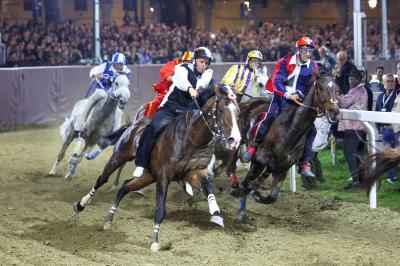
304	41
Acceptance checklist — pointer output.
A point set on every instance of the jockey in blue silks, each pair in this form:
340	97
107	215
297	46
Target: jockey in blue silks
104	76
291	79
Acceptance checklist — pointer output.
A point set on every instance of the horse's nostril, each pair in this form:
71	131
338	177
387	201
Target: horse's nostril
231	140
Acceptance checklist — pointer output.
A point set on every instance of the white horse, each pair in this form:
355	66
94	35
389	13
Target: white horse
104	117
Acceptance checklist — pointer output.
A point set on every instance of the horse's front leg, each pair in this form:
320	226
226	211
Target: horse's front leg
198	179
247	185
276	185
76	157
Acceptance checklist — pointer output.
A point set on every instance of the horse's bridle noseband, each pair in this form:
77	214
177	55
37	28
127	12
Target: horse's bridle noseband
216	132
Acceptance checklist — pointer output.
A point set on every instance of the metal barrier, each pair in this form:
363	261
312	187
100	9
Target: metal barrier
365	117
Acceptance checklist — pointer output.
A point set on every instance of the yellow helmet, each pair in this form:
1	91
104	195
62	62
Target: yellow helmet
187	56
254	54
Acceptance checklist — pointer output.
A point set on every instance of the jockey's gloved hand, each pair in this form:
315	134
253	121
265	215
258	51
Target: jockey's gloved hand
193	93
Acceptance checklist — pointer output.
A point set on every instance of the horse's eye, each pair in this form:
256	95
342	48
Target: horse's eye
260	84
116	83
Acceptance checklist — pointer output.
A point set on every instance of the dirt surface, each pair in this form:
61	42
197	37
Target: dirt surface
39	227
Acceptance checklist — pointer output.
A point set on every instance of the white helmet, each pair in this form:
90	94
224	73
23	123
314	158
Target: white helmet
118	58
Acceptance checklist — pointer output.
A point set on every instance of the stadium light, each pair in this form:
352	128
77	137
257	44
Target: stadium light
372	3
151	9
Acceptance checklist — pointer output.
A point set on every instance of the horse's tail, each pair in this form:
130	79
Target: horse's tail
64	127
114	136
385	160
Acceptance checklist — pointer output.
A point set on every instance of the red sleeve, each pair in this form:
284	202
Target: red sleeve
167	70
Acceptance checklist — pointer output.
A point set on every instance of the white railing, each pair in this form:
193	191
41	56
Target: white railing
365	117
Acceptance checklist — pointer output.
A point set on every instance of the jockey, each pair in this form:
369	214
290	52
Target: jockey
187	79
289	82
166	73
239	77
104	75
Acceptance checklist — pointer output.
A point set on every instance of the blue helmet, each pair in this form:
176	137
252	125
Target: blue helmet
118	58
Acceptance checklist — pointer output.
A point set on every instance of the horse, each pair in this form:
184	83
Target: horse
249	111
384	160
185	148
254	101
283	144
101	121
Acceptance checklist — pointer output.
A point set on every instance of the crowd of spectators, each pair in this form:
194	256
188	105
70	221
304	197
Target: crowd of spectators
66	43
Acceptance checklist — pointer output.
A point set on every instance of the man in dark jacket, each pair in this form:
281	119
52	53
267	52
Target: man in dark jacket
342	71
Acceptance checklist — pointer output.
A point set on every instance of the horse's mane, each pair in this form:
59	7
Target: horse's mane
385	160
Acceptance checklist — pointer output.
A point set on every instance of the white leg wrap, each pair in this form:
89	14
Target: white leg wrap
113	209
188	189
53	169
210	167
78	146
86	199
212	204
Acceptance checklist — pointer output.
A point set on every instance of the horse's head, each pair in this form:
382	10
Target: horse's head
222	114
324	97
121	92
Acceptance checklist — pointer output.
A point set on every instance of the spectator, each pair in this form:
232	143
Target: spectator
397	86
327	61
342	71
377	83
385	103
367	86
354	134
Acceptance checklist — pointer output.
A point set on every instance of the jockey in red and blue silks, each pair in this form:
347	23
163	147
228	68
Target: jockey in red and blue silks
291	79
103	75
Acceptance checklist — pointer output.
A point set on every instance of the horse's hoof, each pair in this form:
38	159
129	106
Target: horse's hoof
237	192
269	200
52	173
68	177
155	246
260	198
112	188
107	226
140	192
217	219
242	215
78	207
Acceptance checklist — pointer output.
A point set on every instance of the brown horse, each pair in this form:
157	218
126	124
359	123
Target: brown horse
384	160
249	111
184	149
283	144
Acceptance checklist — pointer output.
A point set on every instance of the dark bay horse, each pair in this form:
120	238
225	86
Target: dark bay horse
181	153
384	160
283	144
249	110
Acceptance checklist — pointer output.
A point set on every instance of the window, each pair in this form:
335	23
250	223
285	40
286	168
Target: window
28	5
130	5
80	5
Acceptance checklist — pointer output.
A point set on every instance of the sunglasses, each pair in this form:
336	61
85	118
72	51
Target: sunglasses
390	80
308	50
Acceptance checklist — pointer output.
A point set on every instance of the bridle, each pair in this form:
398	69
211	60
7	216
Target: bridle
214	128
320	110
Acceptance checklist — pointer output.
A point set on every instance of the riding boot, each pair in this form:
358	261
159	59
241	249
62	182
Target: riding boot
305	170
